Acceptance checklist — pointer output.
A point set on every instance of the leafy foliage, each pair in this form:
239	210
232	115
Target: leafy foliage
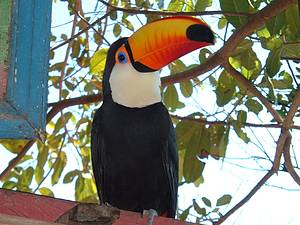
76	69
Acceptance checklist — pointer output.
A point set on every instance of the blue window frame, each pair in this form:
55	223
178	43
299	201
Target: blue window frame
23	105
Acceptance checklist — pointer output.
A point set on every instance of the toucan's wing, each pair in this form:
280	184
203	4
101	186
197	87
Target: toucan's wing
170	161
97	147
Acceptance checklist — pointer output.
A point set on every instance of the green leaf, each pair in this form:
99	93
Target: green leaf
263	33
113	15
245	57
75	48
186	88
184	132
64	37
244	46
46	191
9	185
222	22
127	24
291	50
285	81
204	54
218	141
198	209
69	177
224	200
58	167
242	116
185	213
79	185
201	5
14	146
176	5
292	19
177	66
70	85
117	30
189	6
192	166
235	6
276	24
206	201
41	161
97	62
171	99
254	106
273	63
61	121
271	43
88	193
225	89
237	126
25	179
83	61
38	174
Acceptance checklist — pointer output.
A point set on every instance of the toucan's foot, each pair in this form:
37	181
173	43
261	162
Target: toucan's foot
151	213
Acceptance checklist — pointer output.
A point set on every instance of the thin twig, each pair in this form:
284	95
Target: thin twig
292	72
254	22
89	25
56	160
172	13
82	31
251	88
246	198
228	123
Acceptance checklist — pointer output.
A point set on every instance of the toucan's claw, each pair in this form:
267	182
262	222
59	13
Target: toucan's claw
151	213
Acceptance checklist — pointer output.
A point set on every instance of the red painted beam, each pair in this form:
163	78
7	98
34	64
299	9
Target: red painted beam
50	209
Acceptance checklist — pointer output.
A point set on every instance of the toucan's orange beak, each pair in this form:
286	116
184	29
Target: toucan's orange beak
157	44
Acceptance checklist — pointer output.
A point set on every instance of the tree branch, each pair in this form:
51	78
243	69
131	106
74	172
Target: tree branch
255	22
246	198
82	31
227	123
288	162
287	125
248	86
172	13
56	108
279	149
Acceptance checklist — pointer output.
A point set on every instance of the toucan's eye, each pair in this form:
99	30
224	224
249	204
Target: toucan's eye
122	57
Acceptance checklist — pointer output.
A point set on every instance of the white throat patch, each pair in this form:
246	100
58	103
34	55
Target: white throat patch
134	89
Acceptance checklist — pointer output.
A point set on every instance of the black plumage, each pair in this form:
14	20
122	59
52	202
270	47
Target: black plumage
134	153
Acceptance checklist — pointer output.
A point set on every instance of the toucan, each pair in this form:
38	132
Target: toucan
133	146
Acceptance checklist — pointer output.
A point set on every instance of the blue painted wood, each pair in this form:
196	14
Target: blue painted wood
26	98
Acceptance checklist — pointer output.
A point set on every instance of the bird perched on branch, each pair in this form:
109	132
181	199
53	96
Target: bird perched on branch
134	151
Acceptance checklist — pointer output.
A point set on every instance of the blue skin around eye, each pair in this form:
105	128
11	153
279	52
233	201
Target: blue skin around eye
122	59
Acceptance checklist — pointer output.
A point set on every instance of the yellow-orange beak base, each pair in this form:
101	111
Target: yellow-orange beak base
157	44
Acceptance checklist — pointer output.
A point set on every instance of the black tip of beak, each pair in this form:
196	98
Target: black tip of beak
201	33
